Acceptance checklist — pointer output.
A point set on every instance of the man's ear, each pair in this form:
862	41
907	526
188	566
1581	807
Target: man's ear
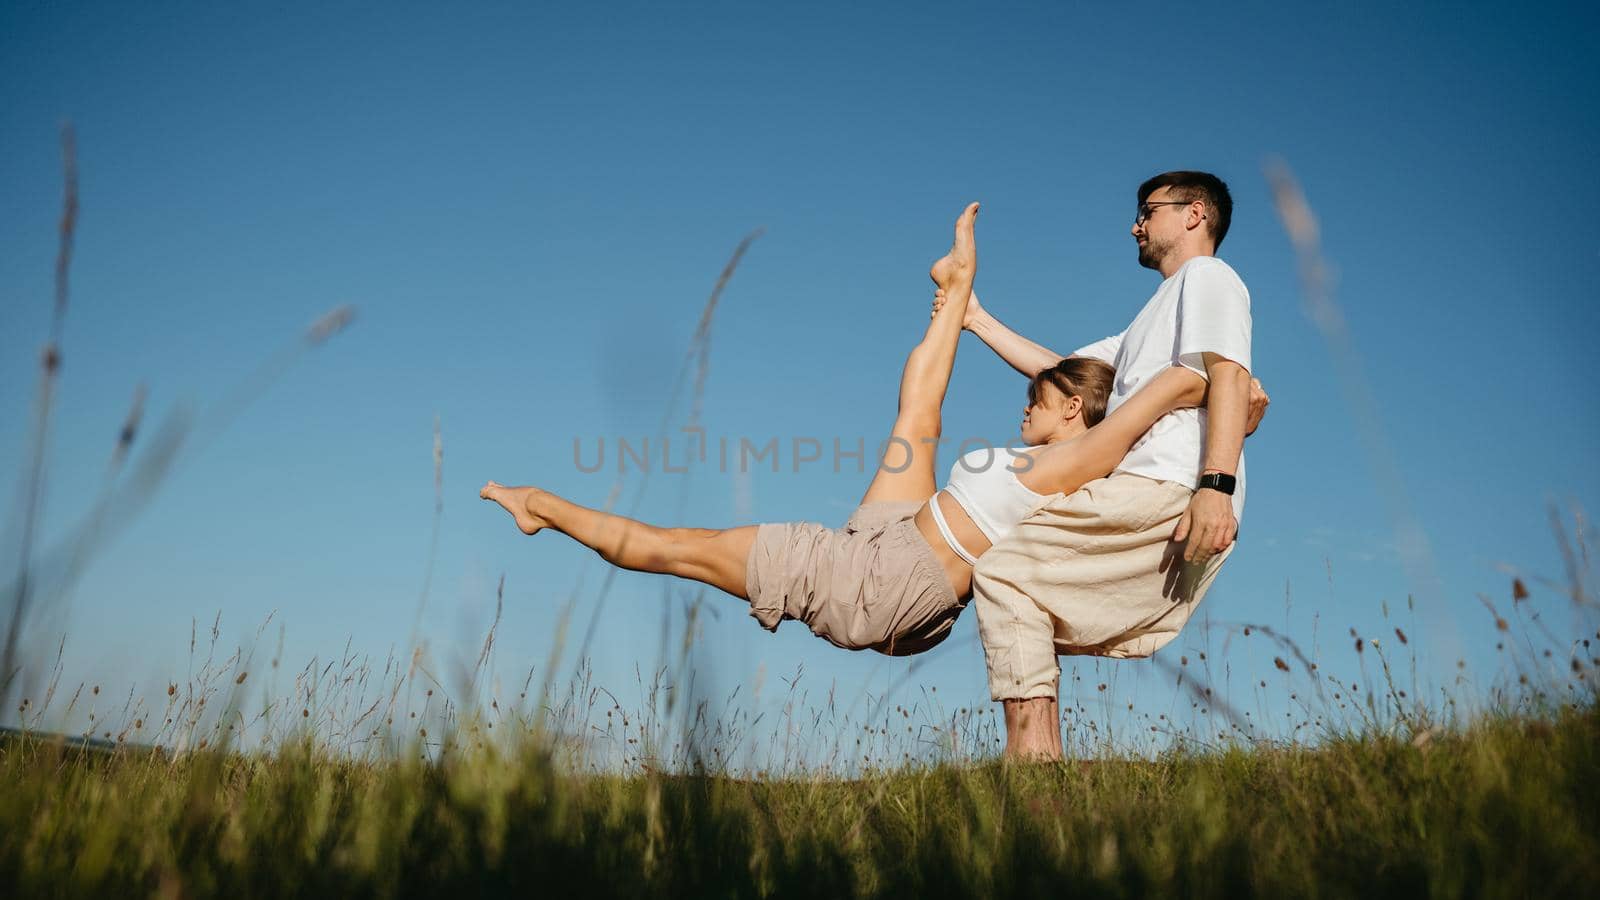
1194	215
1073	409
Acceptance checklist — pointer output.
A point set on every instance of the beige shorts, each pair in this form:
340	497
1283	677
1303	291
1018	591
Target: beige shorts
872	585
1094	572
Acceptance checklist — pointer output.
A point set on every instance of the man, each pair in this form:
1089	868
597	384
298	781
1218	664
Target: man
1117	568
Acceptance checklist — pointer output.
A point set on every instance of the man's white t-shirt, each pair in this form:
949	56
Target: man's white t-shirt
1202	308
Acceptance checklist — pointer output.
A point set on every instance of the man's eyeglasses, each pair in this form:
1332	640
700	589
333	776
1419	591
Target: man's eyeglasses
1147	209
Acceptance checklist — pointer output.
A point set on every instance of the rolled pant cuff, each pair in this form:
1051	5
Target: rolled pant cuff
1033	691
767	616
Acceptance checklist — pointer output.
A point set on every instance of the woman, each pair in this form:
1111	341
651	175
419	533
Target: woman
895	577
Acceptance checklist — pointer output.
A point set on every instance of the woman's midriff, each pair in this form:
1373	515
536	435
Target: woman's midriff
956	569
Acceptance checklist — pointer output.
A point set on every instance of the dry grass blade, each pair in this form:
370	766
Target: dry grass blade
67	230
1203	693
1288	644
701	345
1316	277
52	575
50	362
1576	587
59	567
488	640
699	353
433	540
222	413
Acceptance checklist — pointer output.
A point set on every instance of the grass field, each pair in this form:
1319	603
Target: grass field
1508	807
338	790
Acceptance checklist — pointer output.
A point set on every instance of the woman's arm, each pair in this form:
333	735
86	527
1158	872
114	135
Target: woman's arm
1020	353
1069	465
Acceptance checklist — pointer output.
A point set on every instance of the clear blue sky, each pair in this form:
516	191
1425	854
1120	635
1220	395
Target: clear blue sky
529	205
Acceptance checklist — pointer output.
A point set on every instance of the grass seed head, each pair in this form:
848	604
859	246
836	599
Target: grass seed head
331	323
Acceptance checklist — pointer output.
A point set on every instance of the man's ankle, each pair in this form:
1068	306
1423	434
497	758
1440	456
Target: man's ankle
1032	729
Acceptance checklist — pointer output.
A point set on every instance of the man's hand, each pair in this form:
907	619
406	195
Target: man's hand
1208	525
973	309
1258	407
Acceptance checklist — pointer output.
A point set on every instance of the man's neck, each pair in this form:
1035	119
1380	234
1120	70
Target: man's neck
1175	262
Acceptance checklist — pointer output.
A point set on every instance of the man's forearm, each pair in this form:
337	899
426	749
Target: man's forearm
1020	353
1227	408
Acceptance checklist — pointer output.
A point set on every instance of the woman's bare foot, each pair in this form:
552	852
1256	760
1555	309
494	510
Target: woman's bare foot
961	263
521	502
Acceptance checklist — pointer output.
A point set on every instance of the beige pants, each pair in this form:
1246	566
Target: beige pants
872	585
1094	572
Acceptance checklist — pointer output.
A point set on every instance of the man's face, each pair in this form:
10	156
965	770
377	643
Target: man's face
1162	229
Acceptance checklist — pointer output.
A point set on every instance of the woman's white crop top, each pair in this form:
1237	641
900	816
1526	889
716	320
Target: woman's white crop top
984	481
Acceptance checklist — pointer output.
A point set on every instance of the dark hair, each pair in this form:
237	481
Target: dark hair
1078	376
1192	186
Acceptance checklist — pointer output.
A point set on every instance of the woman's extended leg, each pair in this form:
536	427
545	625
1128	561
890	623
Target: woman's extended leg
906	471
712	556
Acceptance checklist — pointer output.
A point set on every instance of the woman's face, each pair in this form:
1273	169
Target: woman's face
1040	419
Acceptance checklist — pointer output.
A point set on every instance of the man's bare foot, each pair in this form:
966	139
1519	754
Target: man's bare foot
961	263
519	501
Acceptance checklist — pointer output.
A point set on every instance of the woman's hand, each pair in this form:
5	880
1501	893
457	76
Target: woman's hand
1258	407
973	309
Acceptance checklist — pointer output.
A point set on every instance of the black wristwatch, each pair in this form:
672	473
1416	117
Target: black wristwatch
1218	482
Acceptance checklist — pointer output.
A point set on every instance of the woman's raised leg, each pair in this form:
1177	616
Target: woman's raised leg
906	471
712	556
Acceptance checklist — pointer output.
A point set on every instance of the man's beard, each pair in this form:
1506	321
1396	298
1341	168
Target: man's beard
1151	253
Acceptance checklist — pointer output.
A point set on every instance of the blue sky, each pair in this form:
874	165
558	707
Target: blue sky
529	205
